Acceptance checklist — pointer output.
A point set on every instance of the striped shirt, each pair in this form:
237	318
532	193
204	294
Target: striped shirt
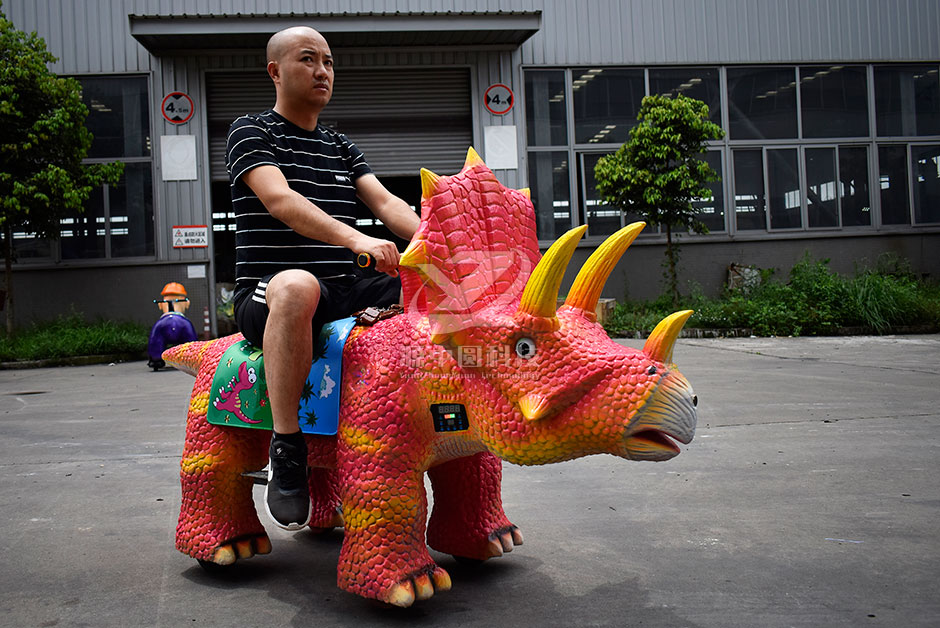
321	165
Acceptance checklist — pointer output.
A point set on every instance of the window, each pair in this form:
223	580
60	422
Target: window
925	165
822	200
605	104
698	83
749	189
834	101
118	219
907	100
783	189
854	190
892	177
546	120
551	195
712	211
762	103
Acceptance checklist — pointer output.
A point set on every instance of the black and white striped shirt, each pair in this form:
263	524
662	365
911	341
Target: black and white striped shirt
321	165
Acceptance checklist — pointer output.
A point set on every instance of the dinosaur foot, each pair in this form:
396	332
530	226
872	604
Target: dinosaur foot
503	540
243	547
420	586
336	521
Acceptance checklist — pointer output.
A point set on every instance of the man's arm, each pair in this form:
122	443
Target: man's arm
391	210
304	217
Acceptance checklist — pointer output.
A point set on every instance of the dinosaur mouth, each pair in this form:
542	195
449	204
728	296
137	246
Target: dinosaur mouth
668	416
652	441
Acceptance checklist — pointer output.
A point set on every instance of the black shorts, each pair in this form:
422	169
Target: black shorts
339	297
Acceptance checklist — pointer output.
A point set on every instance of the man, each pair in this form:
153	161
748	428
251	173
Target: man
294	190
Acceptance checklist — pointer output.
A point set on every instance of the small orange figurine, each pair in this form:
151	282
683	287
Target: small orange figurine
172	328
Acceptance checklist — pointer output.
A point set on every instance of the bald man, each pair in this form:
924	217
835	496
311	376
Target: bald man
295	187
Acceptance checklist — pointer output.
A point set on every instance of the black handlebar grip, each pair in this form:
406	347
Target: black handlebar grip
364	260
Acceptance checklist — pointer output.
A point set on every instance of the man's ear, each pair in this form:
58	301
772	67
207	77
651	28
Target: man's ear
274	71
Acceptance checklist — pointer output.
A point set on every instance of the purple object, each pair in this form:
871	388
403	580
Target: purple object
171	329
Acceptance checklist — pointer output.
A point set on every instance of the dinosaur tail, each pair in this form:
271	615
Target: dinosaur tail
187	357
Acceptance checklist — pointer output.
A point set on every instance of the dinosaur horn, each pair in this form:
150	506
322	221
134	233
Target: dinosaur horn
540	297
587	286
429	182
659	345
473	158
527	192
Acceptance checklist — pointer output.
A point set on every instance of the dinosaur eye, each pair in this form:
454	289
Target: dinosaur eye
525	348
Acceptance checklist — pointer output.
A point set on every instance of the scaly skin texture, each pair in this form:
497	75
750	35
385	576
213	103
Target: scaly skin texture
539	384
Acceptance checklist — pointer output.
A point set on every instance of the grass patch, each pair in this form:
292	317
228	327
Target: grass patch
814	301
71	336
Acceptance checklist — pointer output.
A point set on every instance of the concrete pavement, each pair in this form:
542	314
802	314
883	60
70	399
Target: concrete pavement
810	497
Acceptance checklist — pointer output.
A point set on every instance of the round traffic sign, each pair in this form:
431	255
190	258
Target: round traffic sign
177	107
498	99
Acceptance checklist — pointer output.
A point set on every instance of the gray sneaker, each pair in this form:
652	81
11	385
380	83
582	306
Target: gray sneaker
287	495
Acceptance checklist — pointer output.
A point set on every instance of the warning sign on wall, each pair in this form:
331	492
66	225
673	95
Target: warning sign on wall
190	236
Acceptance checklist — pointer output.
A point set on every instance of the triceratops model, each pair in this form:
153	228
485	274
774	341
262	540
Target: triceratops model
482	366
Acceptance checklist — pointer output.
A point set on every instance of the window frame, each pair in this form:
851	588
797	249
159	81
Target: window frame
726	146
55	258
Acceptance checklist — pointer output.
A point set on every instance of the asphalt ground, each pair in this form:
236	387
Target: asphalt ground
809	497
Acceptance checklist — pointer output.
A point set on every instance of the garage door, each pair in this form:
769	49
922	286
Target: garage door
402	119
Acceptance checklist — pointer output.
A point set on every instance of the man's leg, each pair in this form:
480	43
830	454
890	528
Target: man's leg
292	297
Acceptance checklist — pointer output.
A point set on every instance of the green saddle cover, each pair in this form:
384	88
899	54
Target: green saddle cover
239	393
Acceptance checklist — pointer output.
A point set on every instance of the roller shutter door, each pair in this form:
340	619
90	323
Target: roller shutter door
402	119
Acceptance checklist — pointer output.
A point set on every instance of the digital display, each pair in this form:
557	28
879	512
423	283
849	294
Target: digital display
449	417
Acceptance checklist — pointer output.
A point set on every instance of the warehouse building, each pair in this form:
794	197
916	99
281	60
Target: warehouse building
831	111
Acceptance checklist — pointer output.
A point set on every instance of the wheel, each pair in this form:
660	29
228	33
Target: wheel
463	561
211	567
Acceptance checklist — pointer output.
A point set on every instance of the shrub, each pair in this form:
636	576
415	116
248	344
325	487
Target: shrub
70	336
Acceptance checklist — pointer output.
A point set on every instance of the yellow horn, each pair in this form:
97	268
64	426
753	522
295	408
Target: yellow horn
540	297
428	183
587	286
660	343
473	158
415	255
527	192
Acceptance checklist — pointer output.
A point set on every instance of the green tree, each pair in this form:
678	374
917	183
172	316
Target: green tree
43	141
659	171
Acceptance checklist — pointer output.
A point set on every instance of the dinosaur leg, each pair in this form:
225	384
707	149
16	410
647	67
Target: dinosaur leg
384	555
324	495
468	519
218	522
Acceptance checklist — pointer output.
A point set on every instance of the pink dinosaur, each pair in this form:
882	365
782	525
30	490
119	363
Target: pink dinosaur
228	399
481	366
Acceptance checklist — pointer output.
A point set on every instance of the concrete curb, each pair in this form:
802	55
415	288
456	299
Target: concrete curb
78	360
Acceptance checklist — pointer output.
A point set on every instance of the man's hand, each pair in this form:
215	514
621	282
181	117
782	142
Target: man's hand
384	253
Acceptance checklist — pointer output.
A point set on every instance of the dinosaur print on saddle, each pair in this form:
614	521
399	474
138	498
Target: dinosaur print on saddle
239	393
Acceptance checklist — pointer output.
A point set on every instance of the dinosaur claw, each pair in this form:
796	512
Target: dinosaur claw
441	579
494	549
244	549
423	587
224	555
401	594
517	536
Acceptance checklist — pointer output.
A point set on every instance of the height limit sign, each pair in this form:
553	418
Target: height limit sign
498	99
177	107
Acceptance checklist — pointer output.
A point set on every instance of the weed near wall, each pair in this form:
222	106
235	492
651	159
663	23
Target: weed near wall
813	301
70	336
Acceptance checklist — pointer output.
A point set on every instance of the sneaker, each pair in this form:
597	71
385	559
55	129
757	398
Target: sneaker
287	495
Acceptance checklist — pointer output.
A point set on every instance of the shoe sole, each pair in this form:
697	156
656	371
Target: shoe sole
293	526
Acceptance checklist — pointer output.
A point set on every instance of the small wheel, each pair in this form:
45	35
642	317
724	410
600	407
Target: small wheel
211	567
467	562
